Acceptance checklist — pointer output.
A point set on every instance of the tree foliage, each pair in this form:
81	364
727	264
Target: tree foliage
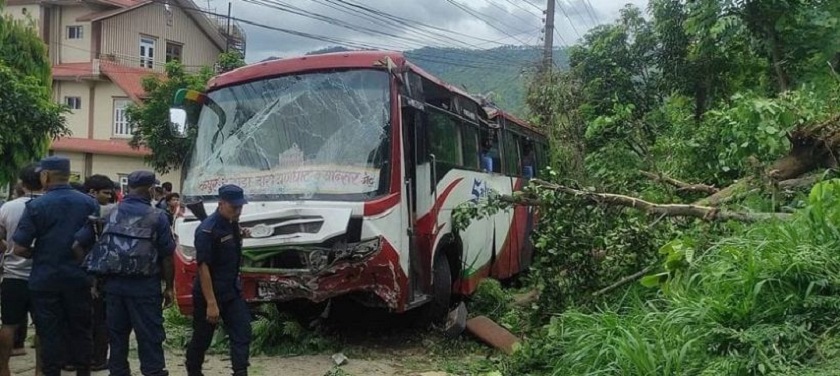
29	118
229	61
728	93
150	119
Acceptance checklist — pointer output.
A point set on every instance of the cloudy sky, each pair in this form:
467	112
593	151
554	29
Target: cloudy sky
517	22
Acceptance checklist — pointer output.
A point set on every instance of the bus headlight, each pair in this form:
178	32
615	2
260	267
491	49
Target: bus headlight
187	252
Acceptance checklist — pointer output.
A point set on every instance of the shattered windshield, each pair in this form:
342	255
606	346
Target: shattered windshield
308	136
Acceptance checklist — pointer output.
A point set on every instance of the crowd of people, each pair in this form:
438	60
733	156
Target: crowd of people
91	264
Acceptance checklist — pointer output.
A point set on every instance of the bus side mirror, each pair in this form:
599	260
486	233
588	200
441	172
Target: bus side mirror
178	121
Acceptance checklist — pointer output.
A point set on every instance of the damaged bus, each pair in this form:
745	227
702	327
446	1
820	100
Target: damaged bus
352	164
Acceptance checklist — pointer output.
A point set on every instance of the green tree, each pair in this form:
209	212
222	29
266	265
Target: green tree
150	119
229	61
29	118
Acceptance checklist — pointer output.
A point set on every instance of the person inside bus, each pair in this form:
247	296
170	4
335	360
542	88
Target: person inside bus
484	155
528	160
489	155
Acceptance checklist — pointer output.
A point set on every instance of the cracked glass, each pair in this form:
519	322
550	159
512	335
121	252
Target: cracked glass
309	136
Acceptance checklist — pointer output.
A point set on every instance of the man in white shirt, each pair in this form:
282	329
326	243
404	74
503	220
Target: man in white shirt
15	300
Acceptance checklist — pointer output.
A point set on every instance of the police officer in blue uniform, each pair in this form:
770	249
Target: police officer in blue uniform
135	302
59	287
217	291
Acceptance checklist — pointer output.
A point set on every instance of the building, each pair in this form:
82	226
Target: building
100	51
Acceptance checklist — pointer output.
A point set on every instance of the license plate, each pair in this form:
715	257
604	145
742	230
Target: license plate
270	290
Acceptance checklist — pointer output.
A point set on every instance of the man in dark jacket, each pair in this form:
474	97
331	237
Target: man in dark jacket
217	291
134	300
59	287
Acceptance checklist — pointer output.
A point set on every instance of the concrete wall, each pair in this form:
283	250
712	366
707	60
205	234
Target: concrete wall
77	120
74	50
114	167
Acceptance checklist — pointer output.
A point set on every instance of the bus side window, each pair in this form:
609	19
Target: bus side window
529	162
511	155
444	142
469	140
491	161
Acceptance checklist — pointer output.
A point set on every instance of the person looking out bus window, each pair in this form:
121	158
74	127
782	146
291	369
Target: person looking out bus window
529	164
485	157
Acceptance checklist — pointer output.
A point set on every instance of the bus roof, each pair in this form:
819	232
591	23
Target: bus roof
346	60
279	67
335	60
494	113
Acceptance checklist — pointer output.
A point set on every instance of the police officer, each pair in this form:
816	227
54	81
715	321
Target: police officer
59	287
134	302
217	290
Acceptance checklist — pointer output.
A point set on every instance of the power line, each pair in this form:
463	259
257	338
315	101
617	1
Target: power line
427	29
285	7
343	42
391	23
591	11
572	24
503	9
479	15
511	2
533	5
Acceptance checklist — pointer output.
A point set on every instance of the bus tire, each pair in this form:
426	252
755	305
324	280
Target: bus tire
436	310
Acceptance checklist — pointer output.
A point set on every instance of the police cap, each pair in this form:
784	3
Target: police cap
232	194
141	179
54	163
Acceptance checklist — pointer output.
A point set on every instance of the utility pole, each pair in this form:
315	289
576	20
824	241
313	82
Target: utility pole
549	36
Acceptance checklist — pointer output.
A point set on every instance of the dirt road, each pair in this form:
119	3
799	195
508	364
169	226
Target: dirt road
315	365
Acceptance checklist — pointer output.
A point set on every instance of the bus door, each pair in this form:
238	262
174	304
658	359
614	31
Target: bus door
412	129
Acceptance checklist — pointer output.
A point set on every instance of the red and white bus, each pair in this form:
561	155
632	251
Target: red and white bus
353	163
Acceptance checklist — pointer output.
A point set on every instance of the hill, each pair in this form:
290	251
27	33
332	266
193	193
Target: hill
501	73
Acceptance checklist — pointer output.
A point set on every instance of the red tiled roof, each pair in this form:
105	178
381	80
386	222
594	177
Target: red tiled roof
107	147
129	79
73	70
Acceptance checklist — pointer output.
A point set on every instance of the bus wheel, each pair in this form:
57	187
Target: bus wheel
435	311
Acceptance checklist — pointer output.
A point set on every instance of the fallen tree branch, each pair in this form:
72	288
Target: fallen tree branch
705	213
623	281
680	185
802	182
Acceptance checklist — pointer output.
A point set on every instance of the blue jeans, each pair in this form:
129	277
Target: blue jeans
237	323
145	316
57	311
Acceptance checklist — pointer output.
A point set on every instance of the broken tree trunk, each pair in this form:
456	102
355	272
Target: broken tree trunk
705	213
680	185
811	147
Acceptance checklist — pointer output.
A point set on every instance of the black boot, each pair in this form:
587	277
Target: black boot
240	373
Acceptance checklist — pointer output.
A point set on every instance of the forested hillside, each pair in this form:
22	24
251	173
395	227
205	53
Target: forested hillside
501	74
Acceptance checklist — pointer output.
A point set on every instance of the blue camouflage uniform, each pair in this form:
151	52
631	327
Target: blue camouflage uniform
218	244
59	286
135	303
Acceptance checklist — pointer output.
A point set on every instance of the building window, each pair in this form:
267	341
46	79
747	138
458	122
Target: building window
74	103
147	52
173	51
74	32
122	128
